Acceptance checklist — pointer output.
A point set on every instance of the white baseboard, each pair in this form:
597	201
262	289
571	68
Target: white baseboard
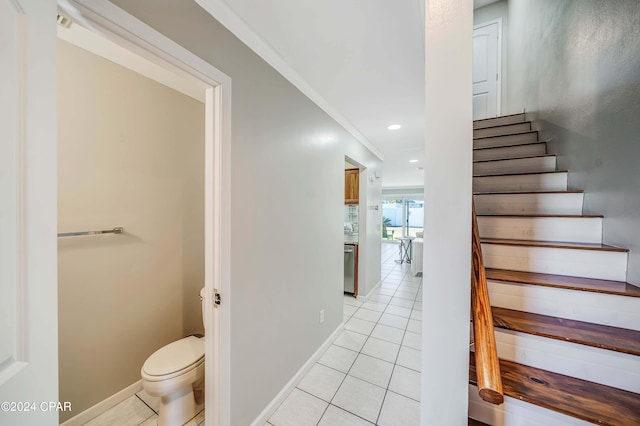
266	414
365	298
104	405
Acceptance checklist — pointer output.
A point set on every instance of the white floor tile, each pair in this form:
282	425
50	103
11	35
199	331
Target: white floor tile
415	326
360	398
416	315
407	285
405	382
413	340
197	420
384	291
151	401
350	340
372	370
397	301
299	409
404	295
322	382
398	310
379	298
131	411
375	306
335	416
338	358
389	285
360	326
381	349
349	310
399	411
393	321
417	306
350	300
367	315
390	334
151	421
410	358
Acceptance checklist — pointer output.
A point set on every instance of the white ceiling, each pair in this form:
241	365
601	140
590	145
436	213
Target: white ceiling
362	61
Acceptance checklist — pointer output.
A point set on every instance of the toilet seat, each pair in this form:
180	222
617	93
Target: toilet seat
174	359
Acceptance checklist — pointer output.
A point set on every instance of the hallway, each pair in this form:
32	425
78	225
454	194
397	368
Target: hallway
371	372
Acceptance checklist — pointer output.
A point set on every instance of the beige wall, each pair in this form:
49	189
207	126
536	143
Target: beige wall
130	154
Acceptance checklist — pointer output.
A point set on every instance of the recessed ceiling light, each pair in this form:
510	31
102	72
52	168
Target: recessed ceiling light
413	161
394	127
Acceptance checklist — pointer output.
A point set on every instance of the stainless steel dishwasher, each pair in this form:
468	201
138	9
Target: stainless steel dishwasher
349	268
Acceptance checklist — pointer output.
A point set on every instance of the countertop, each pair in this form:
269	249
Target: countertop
351	239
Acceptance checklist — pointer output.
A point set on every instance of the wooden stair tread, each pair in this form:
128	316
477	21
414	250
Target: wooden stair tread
508	146
619	288
554	244
571	191
584	333
578	398
502	136
521	173
495	118
572	216
474	422
524	157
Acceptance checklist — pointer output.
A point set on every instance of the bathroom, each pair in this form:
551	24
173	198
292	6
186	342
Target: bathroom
130	155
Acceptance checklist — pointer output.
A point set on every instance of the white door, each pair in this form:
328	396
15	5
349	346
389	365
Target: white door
486	70
28	246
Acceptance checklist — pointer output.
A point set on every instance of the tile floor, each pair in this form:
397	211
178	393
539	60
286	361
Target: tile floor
369	375
140	409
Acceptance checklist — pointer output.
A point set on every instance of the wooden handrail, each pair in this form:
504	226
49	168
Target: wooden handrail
487	364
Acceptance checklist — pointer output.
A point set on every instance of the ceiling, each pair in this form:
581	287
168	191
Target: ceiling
362	61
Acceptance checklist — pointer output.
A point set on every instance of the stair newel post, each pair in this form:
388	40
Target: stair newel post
486	355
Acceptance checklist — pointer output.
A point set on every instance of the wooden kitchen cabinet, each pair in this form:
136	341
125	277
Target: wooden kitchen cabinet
351	186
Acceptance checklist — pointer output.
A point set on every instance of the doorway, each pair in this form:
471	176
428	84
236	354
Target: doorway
487	66
402	217
31	162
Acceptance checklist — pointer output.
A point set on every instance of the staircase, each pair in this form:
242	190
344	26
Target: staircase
566	322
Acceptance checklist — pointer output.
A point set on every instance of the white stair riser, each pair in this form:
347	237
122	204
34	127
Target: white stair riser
602	366
518	165
526	182
598	308
502	130
509	152
508	140
516	413
498	121
605	265
560	203
578	230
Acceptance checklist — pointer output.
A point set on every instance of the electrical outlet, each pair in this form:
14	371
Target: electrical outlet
321	316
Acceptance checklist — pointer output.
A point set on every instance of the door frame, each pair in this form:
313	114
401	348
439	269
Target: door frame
110	21
497	21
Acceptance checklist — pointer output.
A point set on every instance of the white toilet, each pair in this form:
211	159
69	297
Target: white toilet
171	373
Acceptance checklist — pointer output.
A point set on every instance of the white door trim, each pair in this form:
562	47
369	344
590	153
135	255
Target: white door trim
122	28
499	68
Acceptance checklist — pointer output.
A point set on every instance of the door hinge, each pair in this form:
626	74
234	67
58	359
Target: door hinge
216	297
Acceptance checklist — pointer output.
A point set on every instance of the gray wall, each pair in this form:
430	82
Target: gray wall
493	11
575	65
285	152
